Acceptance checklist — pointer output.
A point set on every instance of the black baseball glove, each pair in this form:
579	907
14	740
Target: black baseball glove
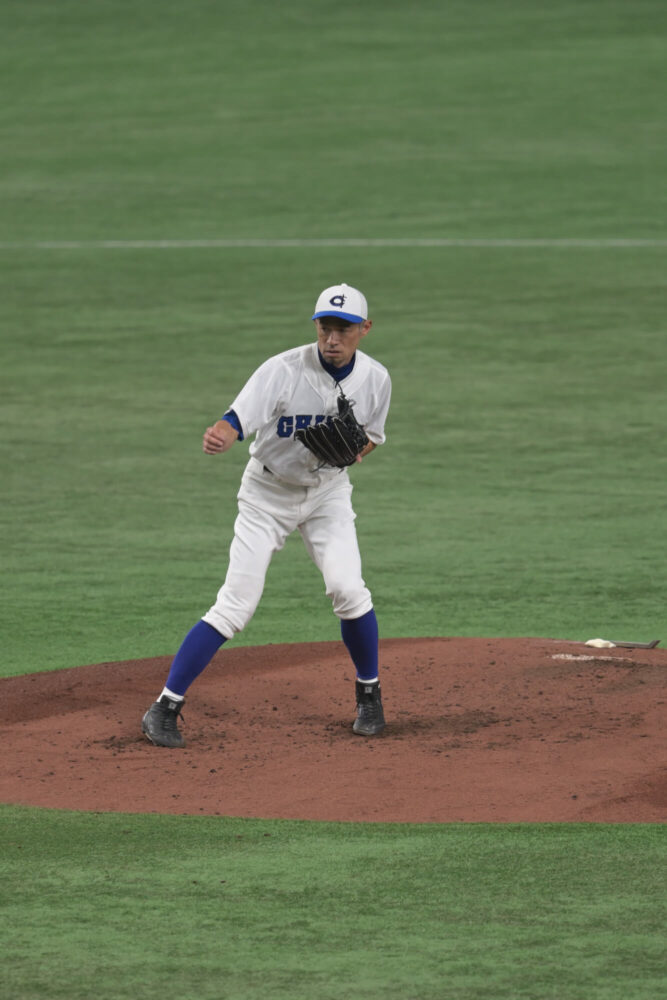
337	440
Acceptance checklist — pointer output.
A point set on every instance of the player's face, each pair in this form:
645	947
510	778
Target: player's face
338	340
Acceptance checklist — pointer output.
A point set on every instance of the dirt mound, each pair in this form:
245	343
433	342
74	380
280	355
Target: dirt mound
478	730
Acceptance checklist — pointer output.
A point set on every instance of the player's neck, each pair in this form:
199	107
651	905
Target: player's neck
337	373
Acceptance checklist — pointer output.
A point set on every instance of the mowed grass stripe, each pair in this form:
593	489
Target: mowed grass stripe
215	244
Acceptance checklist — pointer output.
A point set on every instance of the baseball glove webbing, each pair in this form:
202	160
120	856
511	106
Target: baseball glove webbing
338	440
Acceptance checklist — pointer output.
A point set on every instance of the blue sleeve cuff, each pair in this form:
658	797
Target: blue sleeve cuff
231	418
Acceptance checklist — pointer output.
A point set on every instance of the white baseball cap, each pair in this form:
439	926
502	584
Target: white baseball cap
343	301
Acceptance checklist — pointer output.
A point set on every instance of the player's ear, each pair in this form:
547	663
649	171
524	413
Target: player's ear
365	326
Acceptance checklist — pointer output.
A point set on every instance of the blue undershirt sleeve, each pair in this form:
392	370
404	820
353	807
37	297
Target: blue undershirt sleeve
231	418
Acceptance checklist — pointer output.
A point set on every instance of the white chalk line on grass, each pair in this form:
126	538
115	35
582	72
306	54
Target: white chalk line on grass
225	244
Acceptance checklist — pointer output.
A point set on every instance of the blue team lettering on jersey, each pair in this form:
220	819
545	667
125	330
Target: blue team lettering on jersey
287	425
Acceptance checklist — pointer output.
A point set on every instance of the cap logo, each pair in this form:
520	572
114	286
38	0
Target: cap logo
338	301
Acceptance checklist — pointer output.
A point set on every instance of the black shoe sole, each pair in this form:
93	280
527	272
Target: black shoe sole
176	746
368	732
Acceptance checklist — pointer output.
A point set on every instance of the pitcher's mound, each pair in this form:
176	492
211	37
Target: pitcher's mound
477	730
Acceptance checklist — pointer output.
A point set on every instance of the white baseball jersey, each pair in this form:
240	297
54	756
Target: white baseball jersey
291	391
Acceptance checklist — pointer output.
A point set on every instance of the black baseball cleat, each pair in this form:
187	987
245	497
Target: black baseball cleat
370	716
159	723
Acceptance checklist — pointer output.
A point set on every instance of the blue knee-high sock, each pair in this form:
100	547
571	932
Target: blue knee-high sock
196	652
360	635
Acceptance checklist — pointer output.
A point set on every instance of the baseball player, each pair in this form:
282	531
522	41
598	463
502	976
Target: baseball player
313	410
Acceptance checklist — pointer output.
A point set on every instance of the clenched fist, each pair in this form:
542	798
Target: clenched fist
218	438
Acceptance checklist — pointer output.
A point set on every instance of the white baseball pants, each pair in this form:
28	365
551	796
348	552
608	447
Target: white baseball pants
269	511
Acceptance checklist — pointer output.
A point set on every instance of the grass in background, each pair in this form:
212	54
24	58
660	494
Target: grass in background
209	908
314	118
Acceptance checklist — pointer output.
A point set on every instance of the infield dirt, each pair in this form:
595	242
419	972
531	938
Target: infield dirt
505	730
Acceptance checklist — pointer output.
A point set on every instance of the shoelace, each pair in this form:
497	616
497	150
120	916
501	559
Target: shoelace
170	719
369	710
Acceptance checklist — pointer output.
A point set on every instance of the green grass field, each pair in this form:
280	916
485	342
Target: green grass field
136	906
520	492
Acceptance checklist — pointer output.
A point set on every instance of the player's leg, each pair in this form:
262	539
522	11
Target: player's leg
330	537
258	533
